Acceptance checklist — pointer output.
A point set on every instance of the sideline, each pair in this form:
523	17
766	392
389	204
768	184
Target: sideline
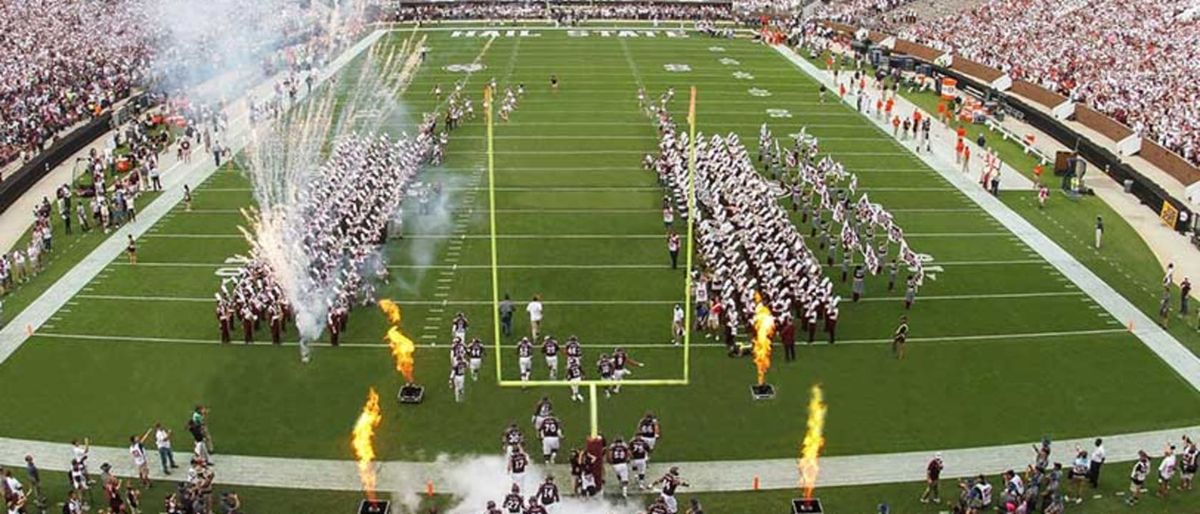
707	476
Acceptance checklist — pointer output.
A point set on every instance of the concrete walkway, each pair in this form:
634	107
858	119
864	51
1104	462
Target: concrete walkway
709	476
18	218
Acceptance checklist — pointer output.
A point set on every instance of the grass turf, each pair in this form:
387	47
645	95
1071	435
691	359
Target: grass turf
569	164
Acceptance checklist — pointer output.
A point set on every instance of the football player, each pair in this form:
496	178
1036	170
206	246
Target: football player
517	463
548	493
542	410
670	483
458	327
605	366
639	454
574	351
475	357
649	429
525	358
618	457
575	376
514	503
512	440
550	351
551	433
458	376
621	362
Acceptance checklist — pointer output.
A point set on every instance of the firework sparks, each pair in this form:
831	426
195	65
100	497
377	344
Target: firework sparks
814	440
764	329
402	347
362	440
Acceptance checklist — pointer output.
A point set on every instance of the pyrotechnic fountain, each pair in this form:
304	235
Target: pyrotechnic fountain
317	266
764	330
810	451
402	351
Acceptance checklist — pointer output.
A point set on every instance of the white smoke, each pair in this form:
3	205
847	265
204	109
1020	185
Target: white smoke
473	481
285	156
226	44
421	252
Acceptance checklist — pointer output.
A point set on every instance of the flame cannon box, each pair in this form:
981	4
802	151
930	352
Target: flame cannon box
411	393
807	506
762	391
374	507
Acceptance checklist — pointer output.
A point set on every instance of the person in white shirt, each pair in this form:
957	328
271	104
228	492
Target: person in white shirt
677	328
535	315
1097	460
137	450
1166	471
162	441
79	452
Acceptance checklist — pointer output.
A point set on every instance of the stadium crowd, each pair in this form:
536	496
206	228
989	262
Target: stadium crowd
1136	61
63	63
53	74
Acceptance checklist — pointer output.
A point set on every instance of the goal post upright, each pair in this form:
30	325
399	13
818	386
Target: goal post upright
491	169
691	216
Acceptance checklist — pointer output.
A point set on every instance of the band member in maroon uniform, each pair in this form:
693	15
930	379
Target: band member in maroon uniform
224	318
831	319
335	328
248	319
787	335
276	323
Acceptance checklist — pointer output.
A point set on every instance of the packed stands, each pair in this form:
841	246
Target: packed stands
1134	60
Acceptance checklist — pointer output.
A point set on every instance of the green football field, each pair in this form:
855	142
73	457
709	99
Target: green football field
1001	351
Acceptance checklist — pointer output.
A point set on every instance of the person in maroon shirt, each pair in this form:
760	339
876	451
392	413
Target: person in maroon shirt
787	335
933	473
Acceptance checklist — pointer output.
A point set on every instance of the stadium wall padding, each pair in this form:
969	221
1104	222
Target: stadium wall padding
1041	95
1169	162
1106	126
29	174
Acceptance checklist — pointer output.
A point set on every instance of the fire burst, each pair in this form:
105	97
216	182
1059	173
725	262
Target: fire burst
764	329
363	442
814	440
402	347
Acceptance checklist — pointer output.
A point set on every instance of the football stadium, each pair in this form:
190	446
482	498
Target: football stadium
604	257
